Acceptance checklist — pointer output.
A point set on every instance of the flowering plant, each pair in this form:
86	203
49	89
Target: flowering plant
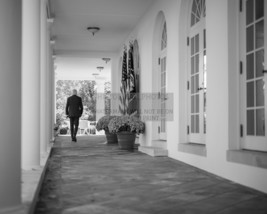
102	123
126	123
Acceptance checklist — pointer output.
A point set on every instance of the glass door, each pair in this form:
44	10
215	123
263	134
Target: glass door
197	85
163	97
254	77
162	83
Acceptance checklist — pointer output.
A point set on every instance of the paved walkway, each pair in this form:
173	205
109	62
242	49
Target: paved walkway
90	177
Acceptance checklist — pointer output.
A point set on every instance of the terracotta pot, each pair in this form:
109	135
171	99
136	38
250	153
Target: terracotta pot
111	138
126	140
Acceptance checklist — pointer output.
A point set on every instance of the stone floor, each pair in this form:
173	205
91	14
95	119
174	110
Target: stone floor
91	177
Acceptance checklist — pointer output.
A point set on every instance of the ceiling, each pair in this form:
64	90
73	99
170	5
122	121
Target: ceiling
82	68
115	18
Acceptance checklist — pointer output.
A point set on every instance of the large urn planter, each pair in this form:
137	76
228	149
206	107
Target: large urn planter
126	127
111	138
126	140
102	124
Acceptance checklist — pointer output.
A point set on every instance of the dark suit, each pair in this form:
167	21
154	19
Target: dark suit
74	110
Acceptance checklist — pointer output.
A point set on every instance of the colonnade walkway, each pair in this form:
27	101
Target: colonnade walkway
91	177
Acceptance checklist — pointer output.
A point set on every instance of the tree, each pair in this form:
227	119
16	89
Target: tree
107	98
88	94
85	88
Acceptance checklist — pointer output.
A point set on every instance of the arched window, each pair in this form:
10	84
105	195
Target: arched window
198	11
197	73
163	63
164	37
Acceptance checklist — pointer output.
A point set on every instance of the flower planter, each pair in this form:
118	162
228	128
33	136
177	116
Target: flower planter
111	138
126	140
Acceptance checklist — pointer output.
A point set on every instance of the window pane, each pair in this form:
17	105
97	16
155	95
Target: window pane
250	122
197	63
204	113
192	46
199	8
259	8
164	78
250	94
260	122
197	123
259	34
196	83
205	69
197	43
192	124
194	7
205	101
204	35
250	38
250	66
197	103
197	19
260	93
250	10
193	85
161	64
192	19
204	8
192	65
259	61
162	126
192	104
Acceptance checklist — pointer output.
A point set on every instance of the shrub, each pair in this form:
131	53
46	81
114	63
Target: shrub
126	123
102	123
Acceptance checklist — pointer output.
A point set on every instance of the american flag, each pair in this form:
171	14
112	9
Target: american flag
131	75
124	67
123	97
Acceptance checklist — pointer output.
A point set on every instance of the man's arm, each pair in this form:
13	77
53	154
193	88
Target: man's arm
67	107
81	106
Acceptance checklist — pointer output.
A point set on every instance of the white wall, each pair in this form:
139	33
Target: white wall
144	34
221	119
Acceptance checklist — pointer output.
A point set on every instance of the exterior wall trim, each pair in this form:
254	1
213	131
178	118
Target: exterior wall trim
247	157
193	148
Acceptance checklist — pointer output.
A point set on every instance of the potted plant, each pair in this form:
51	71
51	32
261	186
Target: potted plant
126	127
102	124
63	130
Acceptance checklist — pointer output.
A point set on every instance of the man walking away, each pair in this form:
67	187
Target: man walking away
74	110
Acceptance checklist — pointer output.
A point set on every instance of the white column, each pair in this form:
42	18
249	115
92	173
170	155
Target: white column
10	108
54	90
43	80
115	84
49	92
30	83
53	95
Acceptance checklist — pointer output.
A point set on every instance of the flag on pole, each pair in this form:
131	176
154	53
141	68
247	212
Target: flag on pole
131	75
132	105
123	97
